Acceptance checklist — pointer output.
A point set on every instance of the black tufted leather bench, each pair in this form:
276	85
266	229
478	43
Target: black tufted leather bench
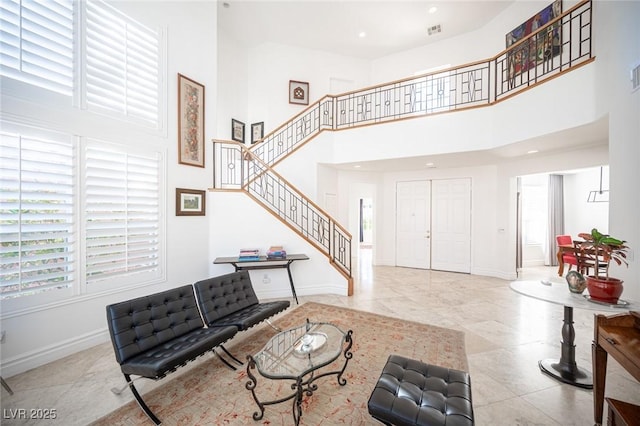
410	392
154	335
230	300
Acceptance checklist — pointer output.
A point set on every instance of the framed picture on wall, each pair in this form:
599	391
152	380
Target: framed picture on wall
298	92
237	130
257	132
190	202
190	122
544	46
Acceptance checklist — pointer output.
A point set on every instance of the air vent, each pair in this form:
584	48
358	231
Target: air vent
434	30
635	78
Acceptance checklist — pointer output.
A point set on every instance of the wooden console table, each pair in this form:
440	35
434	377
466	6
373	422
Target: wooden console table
265	263
618	336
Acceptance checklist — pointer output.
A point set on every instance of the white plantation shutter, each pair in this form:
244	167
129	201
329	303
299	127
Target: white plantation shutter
89	220
122	208
122	64
36	43
37	250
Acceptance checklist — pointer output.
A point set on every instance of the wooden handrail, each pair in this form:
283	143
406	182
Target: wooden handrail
285	202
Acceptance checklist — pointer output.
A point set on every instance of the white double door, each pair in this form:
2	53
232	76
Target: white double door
433	224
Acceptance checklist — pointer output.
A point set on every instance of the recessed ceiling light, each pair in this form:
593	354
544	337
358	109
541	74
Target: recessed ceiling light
362	34
430	165
533	151
357	166
432	10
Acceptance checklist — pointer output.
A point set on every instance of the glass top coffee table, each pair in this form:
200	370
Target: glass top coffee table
297	354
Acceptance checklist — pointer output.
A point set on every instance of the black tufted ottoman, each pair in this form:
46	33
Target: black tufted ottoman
410	392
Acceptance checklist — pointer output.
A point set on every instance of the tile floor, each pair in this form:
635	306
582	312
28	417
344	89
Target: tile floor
506	334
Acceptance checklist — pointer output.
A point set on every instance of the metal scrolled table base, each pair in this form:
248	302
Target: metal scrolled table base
300	386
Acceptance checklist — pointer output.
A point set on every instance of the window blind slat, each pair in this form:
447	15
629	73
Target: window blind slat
37	41
122	212
38	222
123	59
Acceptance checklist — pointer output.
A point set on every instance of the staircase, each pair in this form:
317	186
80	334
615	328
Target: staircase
562	45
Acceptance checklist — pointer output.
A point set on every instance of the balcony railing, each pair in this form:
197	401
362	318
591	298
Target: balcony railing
562	45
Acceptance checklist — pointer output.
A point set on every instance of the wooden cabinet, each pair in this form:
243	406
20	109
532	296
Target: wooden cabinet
622	413
618	336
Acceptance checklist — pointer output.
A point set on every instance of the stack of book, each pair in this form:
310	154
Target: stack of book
276	252
247	255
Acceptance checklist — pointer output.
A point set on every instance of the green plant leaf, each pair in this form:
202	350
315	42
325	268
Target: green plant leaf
611	241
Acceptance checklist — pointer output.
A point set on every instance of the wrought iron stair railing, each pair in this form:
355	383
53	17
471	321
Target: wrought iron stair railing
250	174
562	45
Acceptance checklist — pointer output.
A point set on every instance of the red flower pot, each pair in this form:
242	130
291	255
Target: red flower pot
604	289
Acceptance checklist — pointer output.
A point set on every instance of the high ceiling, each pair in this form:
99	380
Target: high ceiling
388	27
336	25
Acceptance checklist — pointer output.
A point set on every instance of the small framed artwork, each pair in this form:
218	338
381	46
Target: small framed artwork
257	132
190	122
237	130
190	202
298	92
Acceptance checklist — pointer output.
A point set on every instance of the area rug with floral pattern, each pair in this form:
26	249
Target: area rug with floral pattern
207	392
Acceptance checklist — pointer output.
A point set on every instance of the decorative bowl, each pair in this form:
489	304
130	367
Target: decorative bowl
576	281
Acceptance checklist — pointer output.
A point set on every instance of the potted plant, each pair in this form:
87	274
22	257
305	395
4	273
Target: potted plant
599	250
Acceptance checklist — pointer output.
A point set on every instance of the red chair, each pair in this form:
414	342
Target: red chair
568	254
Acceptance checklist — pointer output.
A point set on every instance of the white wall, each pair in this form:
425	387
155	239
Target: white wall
618	47
239	222
272	65
233	89
581	216
481	44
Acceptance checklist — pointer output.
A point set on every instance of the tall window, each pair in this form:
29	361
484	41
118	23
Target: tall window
119	60
38	241
36	43
122	62
534	209
122	213
78	214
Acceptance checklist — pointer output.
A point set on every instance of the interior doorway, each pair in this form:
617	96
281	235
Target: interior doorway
413	224
365	228
535	239
433	224
362	223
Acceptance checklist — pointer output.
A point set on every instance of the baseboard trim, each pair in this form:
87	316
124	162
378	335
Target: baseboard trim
280	293
45	355
496	274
